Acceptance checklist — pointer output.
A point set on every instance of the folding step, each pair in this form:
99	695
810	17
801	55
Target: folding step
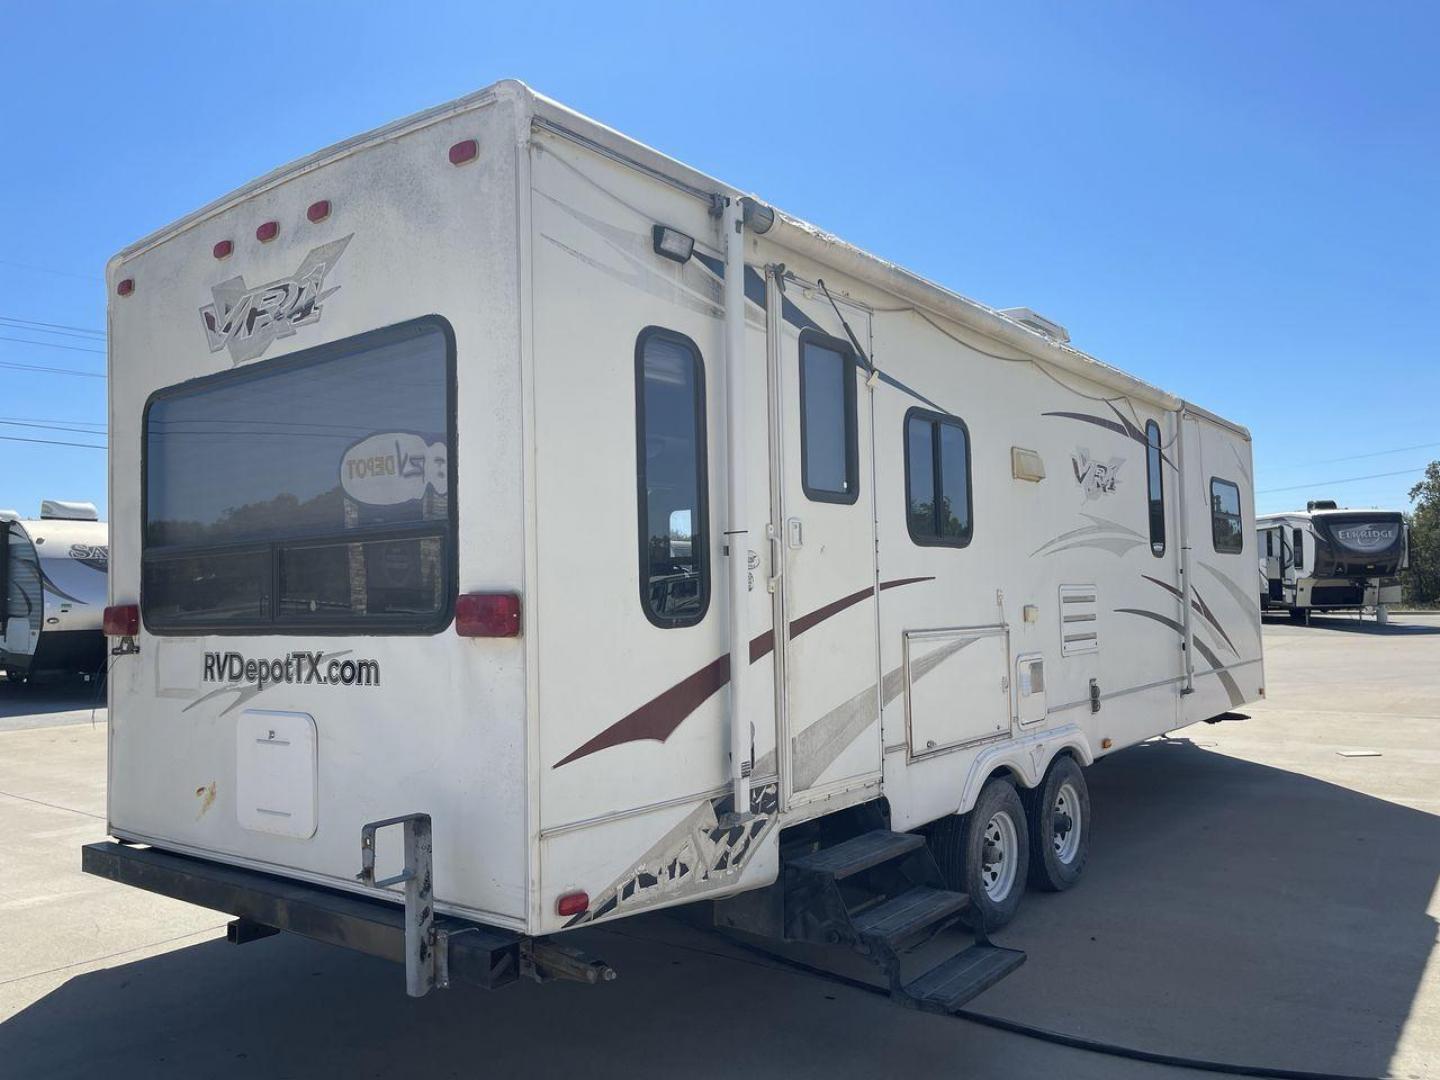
858	854
950	985
902	917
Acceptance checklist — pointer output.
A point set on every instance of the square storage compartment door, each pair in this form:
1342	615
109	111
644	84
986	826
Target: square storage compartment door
275	772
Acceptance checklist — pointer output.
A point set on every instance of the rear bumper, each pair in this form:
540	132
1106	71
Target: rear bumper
478	954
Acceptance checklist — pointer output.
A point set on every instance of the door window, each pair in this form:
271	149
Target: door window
829	459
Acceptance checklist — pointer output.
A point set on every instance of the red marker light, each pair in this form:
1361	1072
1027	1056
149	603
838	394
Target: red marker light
575	903
223	249
487	615
126	287
267	232
465	151
318	211
121	620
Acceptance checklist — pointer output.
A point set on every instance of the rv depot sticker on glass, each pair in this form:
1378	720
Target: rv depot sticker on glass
386	470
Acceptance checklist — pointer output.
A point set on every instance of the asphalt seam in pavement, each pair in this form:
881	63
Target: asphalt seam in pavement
51	805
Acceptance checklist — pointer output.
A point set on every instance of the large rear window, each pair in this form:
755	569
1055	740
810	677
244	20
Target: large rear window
306	494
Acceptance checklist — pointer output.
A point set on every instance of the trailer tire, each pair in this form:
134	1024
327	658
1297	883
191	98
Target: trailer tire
959	844
1061	799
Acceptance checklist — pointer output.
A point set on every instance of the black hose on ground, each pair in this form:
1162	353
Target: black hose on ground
1029	1031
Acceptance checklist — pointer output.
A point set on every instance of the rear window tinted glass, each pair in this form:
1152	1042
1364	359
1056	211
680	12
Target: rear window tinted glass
313	488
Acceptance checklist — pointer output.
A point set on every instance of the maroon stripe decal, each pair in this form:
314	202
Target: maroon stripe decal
1198	603
658	718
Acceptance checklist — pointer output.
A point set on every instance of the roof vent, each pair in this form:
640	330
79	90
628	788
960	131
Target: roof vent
58	510
1033	320
1321	504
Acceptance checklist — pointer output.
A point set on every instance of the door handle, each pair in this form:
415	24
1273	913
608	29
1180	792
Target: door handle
794	533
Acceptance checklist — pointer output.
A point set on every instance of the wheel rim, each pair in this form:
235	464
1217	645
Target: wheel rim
1067	843
1000	852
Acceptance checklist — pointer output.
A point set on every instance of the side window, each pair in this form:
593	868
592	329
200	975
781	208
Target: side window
1156	483
1226	526
1299	550
829	459
672	478
937	479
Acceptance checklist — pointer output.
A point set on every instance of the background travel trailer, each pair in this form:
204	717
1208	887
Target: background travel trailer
654	544
52	591
1323	558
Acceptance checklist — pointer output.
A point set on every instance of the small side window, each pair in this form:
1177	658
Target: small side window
937	479
829	459
1226	525
672	478
1299	550
1156	482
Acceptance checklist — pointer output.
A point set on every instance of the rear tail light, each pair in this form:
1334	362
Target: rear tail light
267	232
222	249
318	211
122	620
487	615
575	903
126	287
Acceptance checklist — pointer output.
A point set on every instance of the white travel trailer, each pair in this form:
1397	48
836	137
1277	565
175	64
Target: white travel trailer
1324	558
52	591
626	543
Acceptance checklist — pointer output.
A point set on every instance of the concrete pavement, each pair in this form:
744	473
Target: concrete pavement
1252	896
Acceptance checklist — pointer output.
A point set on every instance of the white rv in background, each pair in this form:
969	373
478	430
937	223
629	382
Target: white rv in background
495	495
52	591
1324	558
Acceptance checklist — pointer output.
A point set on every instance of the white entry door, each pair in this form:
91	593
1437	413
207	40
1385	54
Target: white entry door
830	737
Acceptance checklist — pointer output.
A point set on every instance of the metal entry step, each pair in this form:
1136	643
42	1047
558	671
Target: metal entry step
902	917
879	894
949	985
860	853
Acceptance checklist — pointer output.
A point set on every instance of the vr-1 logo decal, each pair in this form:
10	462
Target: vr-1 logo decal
246	321
296	668
1095	478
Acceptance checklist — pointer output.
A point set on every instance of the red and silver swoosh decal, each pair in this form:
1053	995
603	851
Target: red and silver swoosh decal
658	718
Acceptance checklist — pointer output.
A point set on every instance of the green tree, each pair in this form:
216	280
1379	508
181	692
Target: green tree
1422	580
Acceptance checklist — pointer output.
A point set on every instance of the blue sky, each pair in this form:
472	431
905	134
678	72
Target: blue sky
1236	201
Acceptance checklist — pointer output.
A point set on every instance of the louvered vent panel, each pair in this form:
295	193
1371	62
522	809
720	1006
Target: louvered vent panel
1079	622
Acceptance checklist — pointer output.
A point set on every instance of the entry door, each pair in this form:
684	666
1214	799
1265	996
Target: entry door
831	717
1274	555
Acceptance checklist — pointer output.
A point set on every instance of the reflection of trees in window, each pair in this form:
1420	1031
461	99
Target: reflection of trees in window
937	467
298	541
